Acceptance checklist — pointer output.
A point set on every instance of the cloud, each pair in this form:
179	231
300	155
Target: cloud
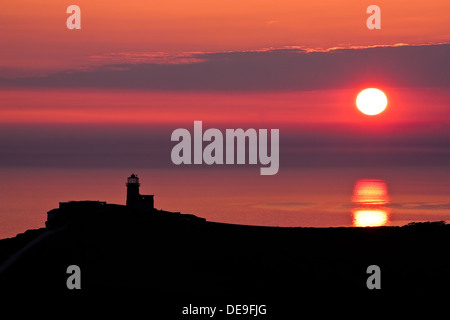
133	58
268	69
430	206
421	205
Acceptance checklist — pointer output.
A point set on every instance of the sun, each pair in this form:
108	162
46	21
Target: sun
371	101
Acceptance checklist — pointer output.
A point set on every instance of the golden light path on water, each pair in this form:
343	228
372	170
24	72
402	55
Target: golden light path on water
369	199
370	218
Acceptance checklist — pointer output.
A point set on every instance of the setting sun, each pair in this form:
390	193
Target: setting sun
371	101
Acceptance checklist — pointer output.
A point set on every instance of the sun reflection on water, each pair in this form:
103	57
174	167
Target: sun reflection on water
370	218
369	199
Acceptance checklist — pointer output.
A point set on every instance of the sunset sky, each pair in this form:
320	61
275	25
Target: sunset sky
108	96
35	37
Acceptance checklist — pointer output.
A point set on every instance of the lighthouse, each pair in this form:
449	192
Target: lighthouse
134	199
132	189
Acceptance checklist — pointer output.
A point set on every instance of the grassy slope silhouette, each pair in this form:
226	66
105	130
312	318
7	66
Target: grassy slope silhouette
182	258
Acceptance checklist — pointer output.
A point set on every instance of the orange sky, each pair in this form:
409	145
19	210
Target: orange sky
34	36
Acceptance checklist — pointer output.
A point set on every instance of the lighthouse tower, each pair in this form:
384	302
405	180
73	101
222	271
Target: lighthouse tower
135	200
132	190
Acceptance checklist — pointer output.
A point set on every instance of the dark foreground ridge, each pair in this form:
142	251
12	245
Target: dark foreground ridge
124	252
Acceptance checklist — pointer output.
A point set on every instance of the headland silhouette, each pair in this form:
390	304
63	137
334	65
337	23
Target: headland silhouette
136	249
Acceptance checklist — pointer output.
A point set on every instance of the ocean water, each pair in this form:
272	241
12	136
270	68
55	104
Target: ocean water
307	197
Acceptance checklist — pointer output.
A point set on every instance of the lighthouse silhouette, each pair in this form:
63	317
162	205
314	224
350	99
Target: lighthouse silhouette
135	200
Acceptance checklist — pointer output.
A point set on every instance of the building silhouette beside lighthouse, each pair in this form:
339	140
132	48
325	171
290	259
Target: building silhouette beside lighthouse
135	200
85	209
